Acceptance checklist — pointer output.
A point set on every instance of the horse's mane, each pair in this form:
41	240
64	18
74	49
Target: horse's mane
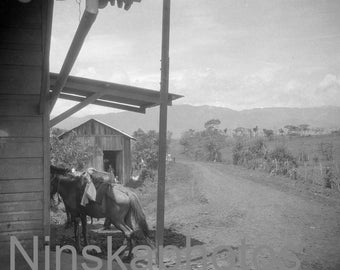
59	170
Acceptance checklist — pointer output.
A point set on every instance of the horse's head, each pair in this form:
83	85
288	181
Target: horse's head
55	174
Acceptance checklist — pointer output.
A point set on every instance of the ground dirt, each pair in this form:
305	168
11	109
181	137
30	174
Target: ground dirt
218	204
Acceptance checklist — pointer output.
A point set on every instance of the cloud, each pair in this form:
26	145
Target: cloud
328	91
330	83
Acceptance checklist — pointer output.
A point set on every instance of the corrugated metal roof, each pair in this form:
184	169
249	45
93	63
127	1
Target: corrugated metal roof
114	95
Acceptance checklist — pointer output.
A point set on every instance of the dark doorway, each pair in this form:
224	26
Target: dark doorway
112	162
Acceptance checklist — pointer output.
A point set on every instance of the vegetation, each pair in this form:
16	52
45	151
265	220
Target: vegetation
68	152
145	152
206	144
300	152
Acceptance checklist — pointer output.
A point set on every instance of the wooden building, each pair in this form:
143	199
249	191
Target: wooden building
109	146
28	93
24	122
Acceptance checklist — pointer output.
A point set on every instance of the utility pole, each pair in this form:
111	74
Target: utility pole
163	128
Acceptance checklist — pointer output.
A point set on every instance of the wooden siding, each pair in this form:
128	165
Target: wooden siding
127	161
25	80
104	138
23	127
23	135
93	128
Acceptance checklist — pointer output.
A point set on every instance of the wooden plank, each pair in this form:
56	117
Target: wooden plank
20	206
15	186
21	168
114	143
22	215
127	160
74	109
20	47
20	80
21	147
18	105
104	103
21	126
116	95
20	36
21	18
21	236
13	57
26	196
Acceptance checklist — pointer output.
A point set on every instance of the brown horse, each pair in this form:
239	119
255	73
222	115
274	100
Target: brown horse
121	209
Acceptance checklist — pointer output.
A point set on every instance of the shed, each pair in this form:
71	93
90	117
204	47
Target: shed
110	147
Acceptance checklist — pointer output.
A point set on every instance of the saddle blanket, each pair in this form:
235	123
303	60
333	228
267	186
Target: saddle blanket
90	193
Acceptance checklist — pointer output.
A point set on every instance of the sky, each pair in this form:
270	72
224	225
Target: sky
240	54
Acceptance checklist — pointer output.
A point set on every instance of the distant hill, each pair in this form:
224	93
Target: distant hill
184	117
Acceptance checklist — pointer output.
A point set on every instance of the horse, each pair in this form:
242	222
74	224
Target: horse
121	211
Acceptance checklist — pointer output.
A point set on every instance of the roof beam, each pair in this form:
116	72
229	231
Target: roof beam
84	27
104	103
116	91
75	109
108	97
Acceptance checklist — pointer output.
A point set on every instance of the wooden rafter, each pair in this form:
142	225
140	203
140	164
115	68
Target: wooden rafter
104	103
75	109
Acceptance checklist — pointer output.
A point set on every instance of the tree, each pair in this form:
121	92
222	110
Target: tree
292	130
281	131
145	148
303	128
239	132
68	152
212	124
205	144
269	133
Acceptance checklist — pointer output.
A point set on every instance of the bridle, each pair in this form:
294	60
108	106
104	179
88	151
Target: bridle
55	178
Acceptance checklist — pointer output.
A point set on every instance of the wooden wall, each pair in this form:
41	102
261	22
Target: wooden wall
23	127
103	138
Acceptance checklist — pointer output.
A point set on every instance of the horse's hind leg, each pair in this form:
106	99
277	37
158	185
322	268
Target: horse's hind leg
84	228
127	233
76	233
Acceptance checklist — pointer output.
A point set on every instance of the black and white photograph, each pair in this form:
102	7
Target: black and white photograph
169	135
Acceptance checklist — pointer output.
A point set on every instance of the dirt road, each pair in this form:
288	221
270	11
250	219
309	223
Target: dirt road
223	204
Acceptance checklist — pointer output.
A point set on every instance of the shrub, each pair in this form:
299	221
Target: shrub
206	144
282	162
145	148
326	150
69	152
250	154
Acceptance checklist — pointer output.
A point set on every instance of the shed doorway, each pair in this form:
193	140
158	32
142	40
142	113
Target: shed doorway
112	161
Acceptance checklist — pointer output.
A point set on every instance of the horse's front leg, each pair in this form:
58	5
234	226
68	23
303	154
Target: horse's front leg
84	229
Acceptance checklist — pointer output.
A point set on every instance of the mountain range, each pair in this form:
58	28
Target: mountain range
184	117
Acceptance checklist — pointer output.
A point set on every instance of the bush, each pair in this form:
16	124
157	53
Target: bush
204	145
282	162
326	150
254	154
145	148
250	154
68	152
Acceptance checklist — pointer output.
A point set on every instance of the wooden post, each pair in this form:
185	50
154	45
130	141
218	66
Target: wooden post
163	128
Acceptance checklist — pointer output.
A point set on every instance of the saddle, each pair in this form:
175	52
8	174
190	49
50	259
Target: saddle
105	186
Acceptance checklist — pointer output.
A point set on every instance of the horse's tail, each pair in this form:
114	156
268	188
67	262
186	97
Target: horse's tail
139	216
